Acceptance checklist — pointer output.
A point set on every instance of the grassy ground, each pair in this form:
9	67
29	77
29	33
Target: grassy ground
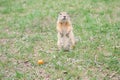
28	33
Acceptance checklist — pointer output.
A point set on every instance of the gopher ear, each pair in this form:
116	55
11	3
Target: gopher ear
60	13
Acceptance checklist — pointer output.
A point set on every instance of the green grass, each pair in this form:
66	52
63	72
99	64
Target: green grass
28	33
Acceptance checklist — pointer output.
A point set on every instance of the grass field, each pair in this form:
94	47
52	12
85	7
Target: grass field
28	33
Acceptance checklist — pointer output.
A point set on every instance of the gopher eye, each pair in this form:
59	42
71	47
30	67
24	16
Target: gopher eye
60	14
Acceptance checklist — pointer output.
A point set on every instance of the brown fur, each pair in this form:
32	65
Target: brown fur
65	32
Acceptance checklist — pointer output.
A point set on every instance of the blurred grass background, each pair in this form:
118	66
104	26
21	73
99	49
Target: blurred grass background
28	33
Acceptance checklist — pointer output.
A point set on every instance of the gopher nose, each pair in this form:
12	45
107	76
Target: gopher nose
64	16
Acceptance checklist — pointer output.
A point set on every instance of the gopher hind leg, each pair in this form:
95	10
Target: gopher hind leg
72	38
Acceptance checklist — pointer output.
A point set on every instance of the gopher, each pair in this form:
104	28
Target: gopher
66	40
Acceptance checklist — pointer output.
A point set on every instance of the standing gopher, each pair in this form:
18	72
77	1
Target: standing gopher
66	40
